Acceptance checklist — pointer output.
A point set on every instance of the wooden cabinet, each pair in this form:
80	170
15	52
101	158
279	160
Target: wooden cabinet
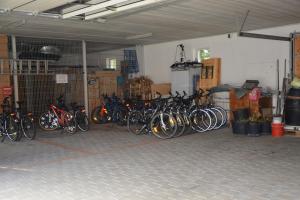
297	66
210	73
297	56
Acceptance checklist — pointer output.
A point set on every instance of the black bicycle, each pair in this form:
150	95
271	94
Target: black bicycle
26	122
9	123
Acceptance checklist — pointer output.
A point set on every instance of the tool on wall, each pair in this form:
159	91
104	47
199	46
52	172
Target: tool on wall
278	103
285	84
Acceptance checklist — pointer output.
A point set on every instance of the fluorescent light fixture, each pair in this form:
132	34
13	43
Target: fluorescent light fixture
101	20
92	8
122	8
146	35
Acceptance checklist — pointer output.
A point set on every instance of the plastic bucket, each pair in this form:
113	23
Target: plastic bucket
277	119
277	130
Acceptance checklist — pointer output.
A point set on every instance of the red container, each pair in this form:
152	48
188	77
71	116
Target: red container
277	130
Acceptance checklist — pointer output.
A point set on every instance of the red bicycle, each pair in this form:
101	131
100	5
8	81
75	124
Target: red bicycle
57	117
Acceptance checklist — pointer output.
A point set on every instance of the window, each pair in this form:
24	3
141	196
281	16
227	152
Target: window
111	63
203	54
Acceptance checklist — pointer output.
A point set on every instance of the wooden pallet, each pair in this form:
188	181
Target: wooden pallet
292	133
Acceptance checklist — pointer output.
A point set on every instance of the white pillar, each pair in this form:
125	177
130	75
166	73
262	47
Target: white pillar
15	76
85	82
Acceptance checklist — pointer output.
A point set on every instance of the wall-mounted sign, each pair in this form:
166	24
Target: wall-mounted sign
7	91
61	78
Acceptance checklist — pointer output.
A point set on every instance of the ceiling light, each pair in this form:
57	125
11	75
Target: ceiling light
92	8
146	35
101	20
122	8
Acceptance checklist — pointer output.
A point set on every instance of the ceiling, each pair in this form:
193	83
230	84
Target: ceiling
164	21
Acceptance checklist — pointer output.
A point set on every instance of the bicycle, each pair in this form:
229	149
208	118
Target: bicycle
81	117
153	118
8	122
26	122
57	117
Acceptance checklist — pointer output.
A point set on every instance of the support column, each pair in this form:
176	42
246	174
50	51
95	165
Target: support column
15	72
85	82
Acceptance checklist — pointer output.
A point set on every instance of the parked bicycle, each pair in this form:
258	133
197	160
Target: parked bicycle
173	116
112	109
81	117
57	117
9	123
26	122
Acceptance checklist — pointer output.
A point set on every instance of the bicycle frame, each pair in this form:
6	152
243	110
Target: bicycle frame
60	114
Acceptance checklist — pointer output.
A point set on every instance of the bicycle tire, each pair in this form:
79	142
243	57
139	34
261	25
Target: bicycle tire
122	117
28	127
48	126
197	118
82	121
220	118
12	129
2	129
70	123
225	116
161	123
135	123
214	119
181	125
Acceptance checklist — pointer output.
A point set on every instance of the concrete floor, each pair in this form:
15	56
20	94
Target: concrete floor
109	163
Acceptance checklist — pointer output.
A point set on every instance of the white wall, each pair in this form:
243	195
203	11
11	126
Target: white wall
99	59
242	58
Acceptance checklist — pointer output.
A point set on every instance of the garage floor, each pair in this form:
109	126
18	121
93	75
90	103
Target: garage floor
109	163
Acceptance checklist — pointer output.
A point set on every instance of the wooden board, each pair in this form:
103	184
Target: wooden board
297	57
297	45
3	46
297	66
163	88
210	73
292	133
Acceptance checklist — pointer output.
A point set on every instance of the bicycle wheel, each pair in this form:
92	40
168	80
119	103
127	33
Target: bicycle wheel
82	121
12	128
2	130
122	117
181	125
224	113
70	123
95	115
163	125
200	120
48	121
214	119
220	117
135	122
28	127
